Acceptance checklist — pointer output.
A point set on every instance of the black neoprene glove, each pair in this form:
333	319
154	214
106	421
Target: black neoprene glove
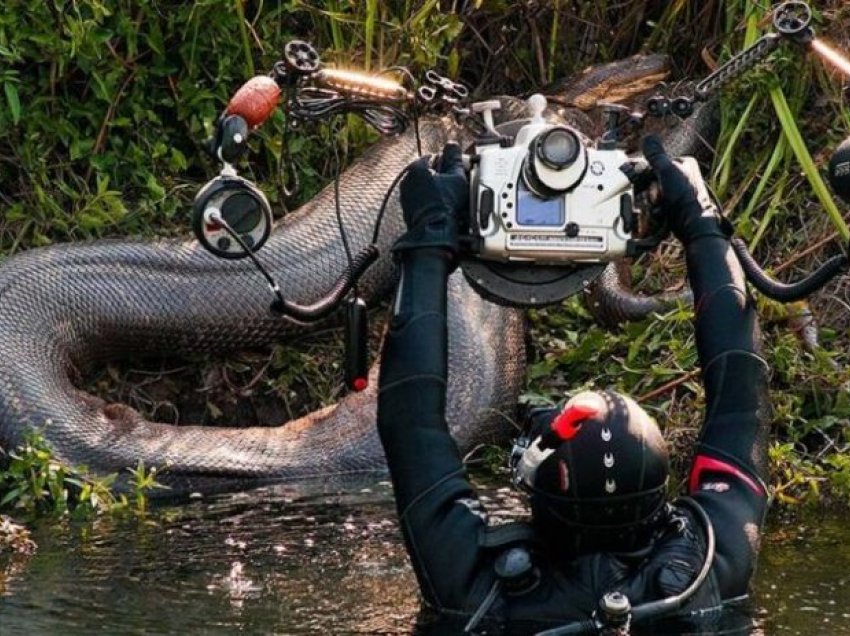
690	210
432	202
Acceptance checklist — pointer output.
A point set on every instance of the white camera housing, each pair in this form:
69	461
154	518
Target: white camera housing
524	208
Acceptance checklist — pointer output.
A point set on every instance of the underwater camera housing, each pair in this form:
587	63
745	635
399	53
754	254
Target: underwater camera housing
547	210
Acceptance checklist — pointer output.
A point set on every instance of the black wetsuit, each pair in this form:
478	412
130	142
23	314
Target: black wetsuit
445	528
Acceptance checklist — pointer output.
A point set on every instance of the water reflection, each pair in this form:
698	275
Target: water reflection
307	561
804	580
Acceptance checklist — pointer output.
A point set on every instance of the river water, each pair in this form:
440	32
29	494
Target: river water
311	561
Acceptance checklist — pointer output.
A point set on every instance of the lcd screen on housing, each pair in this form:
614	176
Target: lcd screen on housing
532	210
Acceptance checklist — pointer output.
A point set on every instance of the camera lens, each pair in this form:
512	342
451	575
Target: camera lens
242	212
557	148
556	162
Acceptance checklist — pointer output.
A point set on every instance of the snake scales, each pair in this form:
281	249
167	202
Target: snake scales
66	308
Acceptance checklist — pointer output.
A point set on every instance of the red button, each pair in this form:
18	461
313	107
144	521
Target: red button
360	383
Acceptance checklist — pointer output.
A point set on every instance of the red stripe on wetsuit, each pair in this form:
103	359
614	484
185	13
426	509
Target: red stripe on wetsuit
705	463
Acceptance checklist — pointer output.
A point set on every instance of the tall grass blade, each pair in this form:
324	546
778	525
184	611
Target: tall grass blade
422	14
369	31
553	40
722	171
776	158
336	27
775	202
246	42
795	139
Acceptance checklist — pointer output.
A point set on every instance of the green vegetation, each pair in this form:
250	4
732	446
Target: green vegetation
34	483
105	104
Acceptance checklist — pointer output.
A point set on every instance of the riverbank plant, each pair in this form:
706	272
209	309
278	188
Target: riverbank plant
33	483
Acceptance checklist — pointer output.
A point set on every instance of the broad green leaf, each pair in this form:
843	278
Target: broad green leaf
13	100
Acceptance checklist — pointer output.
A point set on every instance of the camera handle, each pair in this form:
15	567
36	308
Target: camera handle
486	110
643	179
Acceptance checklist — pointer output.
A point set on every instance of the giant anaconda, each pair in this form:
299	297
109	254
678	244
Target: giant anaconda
66	308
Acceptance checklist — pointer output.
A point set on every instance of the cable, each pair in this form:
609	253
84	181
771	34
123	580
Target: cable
320	103
382	210
414	109
668	605
323	306
289	187
316	104
337	167
787	292
219	219
382	106
777	290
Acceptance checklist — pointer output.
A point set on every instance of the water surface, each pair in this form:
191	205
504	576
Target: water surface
310	561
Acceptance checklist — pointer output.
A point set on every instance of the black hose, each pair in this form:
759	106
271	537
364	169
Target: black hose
787	292
666	606
325	305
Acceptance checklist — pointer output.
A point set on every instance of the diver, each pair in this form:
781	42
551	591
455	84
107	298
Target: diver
605	547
